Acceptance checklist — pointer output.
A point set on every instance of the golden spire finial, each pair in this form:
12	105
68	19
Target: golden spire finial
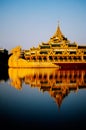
58	31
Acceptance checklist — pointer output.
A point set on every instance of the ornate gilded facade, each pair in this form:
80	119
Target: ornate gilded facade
58	51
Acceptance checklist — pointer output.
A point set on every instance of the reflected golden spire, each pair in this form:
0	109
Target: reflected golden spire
59	98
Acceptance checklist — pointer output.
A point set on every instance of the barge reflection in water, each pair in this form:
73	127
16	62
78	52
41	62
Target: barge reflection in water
43	98
58	83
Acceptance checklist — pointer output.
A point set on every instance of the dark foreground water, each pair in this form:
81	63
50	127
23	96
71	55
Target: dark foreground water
43	98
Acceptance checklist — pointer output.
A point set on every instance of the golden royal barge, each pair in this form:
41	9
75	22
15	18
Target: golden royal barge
58	52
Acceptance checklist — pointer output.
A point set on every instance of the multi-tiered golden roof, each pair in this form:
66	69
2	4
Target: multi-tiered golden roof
58	51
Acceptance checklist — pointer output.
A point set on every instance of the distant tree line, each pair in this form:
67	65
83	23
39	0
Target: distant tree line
4	57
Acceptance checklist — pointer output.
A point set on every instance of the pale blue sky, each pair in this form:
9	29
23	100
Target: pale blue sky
30	22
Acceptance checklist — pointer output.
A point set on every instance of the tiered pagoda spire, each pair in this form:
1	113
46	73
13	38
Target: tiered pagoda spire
58	33
58	36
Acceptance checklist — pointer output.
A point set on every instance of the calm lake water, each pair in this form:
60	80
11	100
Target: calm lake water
42	98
